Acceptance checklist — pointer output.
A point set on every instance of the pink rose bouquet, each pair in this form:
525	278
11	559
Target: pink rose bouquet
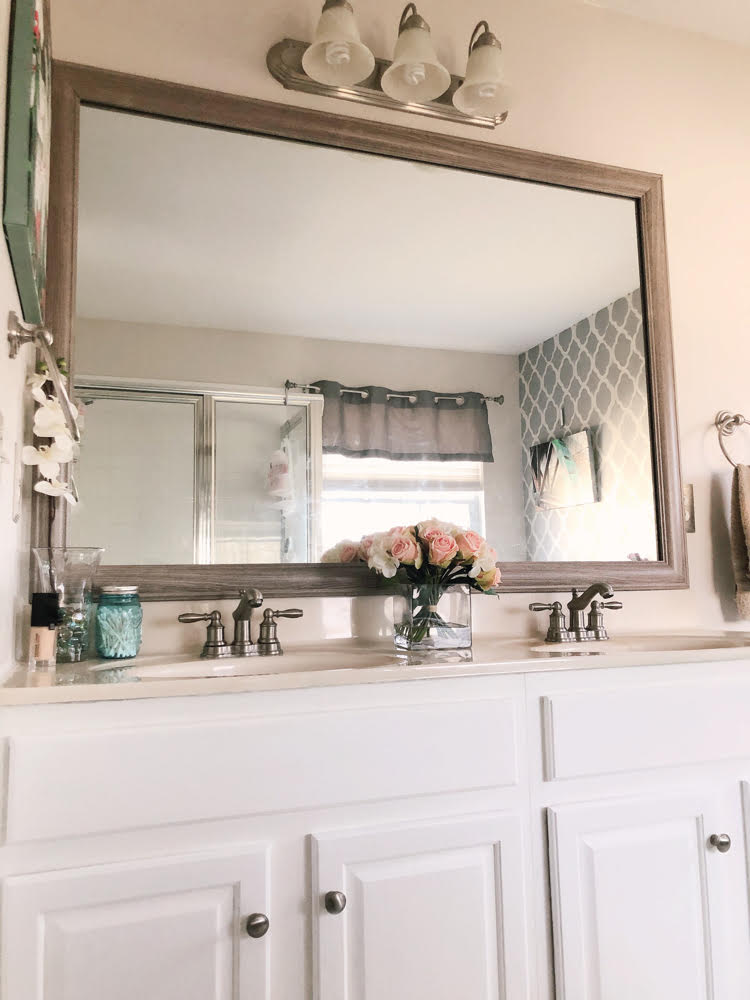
431	552
430	557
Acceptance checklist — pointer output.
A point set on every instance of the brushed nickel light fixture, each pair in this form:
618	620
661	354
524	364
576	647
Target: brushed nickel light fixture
416	75
337	55
483	92
338	64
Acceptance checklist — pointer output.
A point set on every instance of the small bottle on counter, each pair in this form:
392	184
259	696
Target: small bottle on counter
45	616
119	617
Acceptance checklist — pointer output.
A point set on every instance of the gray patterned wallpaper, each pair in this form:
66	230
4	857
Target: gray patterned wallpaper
593	375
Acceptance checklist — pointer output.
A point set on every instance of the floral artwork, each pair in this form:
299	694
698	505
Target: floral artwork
28	136
563	472
60	449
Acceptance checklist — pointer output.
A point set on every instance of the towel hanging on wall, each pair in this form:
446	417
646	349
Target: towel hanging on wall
740	532
405	425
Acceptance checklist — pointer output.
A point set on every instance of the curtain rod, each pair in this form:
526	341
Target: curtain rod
391	395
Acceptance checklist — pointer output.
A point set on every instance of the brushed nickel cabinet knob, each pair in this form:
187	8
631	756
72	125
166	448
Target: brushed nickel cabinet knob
257	925
721	841
335	902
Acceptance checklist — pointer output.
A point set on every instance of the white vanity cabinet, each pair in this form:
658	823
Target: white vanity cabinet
434	910
172	929
643	905
140	835
642	784
497	836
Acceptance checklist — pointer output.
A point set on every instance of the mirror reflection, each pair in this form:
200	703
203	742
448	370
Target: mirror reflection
281	345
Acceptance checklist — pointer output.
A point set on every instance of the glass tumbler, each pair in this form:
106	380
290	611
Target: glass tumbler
70	572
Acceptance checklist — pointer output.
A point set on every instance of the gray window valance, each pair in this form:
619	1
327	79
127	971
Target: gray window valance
370	421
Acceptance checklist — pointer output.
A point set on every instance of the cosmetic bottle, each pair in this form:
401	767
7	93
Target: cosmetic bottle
45	615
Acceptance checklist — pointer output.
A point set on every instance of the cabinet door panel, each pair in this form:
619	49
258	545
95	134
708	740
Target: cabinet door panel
643	906
433	911
159	930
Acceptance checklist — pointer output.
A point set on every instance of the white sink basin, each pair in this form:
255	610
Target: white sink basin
658	643
344	654
292	661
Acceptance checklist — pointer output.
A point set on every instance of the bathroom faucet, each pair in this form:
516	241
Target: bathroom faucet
580	630
579	603
243	644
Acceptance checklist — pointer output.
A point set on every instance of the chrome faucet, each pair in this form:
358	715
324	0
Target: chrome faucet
582	627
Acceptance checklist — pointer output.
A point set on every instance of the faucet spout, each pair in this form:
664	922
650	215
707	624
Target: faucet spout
243	644
581	601
577	606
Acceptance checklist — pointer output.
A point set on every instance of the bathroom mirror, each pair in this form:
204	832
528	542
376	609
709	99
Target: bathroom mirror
291	329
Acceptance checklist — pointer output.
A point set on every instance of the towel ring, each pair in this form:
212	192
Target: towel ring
726	424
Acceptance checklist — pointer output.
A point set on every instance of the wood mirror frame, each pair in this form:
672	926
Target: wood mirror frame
74	85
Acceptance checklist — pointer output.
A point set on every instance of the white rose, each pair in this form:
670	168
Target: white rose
380	559
484	560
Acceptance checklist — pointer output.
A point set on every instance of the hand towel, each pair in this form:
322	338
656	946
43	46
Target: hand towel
740	531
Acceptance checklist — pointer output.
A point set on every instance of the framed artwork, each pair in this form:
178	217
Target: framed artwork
27	152
563	472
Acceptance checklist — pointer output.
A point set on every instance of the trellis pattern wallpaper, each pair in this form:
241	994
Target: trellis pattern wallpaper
593	375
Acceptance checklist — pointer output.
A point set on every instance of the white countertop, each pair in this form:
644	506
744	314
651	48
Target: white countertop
341	662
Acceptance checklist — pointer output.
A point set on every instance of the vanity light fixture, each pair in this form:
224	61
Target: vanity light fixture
338	64
337	56
483	92
416	75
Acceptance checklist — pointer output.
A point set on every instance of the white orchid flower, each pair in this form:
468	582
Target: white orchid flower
55	488
35	382
49	457
49	420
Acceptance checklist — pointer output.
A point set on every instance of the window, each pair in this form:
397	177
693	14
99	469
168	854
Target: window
362	495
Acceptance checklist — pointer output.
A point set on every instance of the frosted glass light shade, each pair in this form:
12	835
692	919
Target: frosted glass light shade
416	75
483	91
337	56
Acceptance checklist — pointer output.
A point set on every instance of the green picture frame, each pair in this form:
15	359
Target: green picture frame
27	152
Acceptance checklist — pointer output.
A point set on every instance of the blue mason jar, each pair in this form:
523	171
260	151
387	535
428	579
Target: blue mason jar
118	623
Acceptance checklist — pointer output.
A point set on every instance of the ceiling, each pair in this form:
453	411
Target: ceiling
725	19
189	226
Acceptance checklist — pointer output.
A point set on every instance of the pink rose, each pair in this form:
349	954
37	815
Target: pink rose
442	549
344	552
469	544
406	549
348	552
490	579
365	545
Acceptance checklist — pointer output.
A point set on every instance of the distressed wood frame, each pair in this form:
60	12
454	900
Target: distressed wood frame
74	85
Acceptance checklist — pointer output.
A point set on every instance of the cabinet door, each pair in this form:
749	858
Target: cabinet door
434	911
167	929
643	905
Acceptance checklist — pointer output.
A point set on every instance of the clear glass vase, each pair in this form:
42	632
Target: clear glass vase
71	572
428	617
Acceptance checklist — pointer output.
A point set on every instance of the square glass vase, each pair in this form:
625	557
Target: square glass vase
425	616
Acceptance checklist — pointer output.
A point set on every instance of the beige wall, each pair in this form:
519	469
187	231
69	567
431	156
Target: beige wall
13	535
589	83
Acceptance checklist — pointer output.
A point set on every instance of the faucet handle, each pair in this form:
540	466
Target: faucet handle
196	616
558	630
215	645
613	605
268	642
